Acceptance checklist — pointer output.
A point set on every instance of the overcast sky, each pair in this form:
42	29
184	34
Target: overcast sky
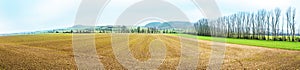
34	15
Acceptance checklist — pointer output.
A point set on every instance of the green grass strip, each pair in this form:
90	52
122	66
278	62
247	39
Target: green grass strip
261	43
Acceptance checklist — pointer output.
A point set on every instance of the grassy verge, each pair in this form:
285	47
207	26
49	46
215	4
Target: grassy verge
261	43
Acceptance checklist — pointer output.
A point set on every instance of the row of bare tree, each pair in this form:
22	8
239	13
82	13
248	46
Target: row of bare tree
261	25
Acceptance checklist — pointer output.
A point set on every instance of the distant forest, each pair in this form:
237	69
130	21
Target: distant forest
114	29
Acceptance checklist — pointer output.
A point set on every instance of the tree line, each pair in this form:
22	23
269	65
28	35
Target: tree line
260	25
117	29
139	29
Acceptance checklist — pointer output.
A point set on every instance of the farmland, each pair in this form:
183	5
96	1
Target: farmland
54	51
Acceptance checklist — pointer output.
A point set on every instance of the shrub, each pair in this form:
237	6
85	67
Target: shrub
297	39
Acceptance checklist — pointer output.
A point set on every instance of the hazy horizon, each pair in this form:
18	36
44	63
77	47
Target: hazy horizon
26	16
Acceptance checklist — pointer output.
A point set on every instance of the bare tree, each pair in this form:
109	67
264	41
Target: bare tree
268	25
293	23
262	25
282	29
288	19
262	22
248	25
253	26
275	21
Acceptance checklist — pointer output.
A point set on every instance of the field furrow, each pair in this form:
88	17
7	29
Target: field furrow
56	52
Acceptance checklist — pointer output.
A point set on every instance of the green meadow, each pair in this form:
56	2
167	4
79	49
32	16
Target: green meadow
260	43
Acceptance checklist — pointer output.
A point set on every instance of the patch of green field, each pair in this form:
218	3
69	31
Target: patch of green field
261	43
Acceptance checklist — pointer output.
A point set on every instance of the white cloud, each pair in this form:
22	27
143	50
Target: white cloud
115	8
57	13
3	27
231	6
46	10
188	8
3	24
40	15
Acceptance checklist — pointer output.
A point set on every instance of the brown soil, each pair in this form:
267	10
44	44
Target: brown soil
56	52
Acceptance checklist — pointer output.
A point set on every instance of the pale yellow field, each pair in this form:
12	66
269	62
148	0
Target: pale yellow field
54	51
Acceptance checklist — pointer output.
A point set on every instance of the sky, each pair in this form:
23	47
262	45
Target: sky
34	15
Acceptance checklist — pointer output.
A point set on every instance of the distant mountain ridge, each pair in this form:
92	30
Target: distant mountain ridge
153	24
170	25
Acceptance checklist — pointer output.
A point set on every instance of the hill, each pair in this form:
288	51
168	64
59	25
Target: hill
153	24
170	25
